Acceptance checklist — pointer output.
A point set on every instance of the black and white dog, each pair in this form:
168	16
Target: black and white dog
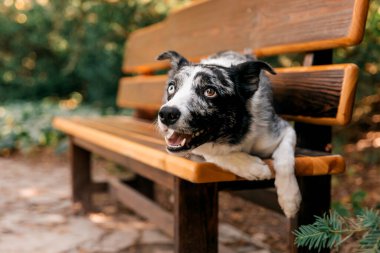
221	109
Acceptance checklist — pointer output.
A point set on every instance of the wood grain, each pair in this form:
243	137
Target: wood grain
195	217
266	27
153	154
111	142
158	176
319	94
151	94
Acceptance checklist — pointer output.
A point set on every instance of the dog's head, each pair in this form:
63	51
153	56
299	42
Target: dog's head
207	103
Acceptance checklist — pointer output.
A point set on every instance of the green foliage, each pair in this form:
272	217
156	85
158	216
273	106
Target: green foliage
325	232
370	242
54	47
26	126
333	229
357	199
340	209
370	221
356	204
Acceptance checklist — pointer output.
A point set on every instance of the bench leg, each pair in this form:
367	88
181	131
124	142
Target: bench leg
316	190
81	182
196	217
316	198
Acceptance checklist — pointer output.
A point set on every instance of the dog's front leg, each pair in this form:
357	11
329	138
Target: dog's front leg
289	196
242	164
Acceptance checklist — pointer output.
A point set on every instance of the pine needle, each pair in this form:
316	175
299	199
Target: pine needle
332	230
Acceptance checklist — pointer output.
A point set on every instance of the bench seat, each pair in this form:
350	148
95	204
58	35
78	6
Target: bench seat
139	140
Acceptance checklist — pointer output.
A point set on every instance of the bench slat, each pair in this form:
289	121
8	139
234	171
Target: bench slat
144	135
266	27
147	151
317	94
158	176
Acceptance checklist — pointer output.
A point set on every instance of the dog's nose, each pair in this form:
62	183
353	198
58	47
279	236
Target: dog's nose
169	115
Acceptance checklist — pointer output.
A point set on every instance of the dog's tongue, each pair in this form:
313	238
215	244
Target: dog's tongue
176	139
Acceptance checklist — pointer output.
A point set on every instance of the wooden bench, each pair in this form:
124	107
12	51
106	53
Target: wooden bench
315	97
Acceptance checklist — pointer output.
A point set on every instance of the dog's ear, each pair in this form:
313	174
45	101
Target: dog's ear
247	76
176	60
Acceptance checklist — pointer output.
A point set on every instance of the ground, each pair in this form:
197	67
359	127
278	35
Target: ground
36	215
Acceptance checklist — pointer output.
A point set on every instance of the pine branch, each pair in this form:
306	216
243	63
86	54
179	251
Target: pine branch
333	229
370	243
370	219
325	232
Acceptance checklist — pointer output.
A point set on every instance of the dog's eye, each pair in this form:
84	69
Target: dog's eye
171	89
210	93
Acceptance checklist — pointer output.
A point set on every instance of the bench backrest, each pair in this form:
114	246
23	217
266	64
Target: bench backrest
314	94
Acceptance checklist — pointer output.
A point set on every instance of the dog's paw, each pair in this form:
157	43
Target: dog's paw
290	206
289	196
242	164
257	170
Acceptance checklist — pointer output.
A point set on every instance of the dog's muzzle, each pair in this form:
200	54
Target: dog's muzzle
178	139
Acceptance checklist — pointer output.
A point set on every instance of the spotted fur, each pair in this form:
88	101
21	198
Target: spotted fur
221	109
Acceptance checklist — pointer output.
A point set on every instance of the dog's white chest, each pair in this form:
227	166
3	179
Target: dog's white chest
260	143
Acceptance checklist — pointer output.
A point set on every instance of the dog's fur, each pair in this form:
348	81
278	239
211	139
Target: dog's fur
221	109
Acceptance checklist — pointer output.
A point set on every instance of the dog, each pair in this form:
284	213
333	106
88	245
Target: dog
221	109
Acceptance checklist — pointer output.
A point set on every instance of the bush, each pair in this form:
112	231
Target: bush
26	126
52	48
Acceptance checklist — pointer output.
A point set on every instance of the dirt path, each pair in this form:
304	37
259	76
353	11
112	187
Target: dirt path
36	217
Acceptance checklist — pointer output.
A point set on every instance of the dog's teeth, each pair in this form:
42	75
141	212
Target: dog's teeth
167	141
183	142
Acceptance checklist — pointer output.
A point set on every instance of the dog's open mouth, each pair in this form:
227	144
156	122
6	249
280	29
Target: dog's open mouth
177	141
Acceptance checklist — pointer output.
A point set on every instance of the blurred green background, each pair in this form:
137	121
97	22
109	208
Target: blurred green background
64	57
54	48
